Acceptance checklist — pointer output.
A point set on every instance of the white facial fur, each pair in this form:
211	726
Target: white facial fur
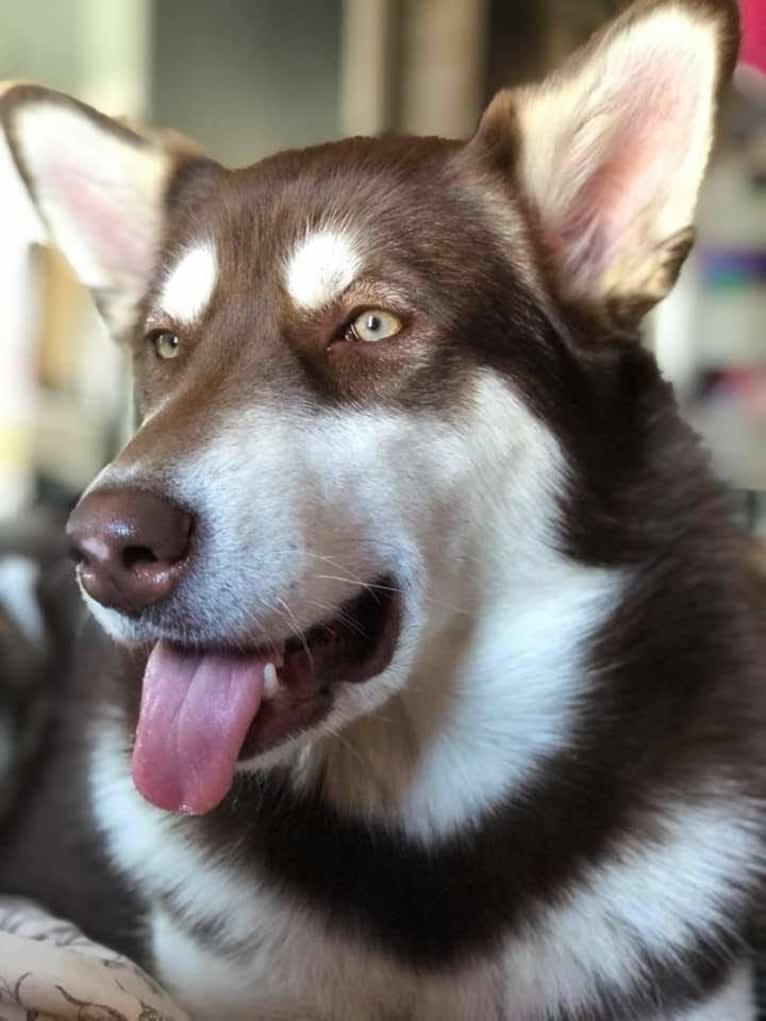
297	514
484	711
321	266
190	284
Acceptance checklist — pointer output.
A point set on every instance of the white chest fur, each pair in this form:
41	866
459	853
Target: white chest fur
295	972
274	959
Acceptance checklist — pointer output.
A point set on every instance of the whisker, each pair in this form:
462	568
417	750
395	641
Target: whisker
371	586
374	587
345	618
296	629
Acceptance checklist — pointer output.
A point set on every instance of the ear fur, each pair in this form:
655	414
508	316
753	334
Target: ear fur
102	187
610	151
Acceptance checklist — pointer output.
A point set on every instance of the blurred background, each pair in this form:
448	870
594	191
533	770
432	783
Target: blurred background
247	77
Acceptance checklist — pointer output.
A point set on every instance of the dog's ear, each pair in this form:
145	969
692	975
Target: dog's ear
104	189
610	151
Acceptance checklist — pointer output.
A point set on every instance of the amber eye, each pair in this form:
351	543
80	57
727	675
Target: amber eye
166	345
372	325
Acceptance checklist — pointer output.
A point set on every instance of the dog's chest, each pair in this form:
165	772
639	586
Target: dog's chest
235	943
233	947
292	970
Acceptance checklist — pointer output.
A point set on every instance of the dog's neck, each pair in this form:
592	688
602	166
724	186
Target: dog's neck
493	694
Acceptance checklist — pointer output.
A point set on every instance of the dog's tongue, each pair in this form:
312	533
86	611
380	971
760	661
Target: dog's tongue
195	712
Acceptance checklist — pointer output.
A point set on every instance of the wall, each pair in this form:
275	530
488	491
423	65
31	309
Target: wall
247	78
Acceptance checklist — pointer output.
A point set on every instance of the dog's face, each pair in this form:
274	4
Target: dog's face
355	366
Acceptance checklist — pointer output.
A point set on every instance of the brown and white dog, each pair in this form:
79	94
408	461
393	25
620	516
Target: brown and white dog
435	688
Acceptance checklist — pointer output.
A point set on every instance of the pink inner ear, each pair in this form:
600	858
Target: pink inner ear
631	164
111	220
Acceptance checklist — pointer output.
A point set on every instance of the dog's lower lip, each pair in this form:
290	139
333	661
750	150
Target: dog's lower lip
355	646
359	621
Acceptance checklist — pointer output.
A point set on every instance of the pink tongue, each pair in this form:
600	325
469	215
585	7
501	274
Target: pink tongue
195	712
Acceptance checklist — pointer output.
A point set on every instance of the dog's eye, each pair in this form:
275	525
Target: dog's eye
372	325
166	344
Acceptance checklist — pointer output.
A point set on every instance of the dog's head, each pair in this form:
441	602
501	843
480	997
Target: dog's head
359	370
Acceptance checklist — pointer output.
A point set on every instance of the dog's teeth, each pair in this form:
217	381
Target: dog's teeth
270	681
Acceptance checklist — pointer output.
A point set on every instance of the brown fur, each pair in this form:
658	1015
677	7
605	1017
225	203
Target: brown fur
674	706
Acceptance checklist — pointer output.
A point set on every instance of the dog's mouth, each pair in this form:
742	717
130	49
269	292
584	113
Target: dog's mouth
203	711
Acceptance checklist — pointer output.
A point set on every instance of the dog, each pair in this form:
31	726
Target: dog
425	675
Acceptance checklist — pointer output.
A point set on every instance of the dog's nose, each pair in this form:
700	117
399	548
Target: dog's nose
131	547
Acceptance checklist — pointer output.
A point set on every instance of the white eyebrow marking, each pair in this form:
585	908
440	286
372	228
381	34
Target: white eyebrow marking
190	284
321	266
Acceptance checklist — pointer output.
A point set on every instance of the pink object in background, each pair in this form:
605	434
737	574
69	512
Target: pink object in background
754	34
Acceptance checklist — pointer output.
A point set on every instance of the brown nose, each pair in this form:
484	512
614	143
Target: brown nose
131	547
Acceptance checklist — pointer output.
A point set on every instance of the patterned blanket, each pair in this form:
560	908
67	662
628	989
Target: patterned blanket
50	972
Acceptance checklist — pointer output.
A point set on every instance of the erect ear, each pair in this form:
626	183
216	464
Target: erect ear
104	189
610	151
